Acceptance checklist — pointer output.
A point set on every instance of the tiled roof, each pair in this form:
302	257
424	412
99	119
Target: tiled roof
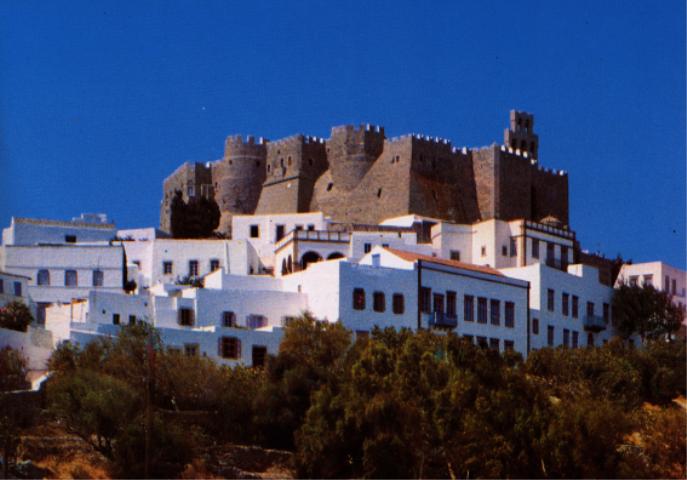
413	257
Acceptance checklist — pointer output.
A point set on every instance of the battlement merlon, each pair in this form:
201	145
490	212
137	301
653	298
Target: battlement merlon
520	134
250	146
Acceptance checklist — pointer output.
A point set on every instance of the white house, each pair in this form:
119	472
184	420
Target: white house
167	260
566	308
63	260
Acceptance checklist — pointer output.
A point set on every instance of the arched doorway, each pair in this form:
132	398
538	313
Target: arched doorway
309	257
335	255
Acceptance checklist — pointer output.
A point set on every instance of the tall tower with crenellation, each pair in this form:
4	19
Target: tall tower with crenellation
237	179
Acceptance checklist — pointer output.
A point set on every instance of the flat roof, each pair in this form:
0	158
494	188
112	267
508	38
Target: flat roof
62	223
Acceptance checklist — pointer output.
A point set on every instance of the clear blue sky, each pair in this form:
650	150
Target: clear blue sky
99	101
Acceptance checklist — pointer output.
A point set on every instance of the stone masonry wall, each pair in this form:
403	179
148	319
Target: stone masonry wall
360	176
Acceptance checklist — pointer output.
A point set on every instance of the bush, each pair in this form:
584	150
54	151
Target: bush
15	316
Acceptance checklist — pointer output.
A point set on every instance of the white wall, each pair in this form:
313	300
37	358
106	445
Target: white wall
36	345
28	260
583	283
28	231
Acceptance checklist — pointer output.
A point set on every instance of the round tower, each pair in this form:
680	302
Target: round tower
238	178
351	152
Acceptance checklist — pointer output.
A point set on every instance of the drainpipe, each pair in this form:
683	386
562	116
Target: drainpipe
419	293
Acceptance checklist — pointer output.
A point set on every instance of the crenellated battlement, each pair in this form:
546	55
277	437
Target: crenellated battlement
360	175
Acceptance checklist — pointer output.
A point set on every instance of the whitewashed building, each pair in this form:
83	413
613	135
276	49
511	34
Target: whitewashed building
63	260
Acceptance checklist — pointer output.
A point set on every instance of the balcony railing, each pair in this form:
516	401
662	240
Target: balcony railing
314	235
442	320
542	227
594	323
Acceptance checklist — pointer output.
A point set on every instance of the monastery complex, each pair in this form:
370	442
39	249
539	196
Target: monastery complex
410	232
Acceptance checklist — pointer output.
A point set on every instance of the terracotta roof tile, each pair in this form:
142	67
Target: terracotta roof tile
413	257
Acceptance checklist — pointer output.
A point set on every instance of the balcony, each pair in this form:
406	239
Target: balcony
594	323
441	320
557	264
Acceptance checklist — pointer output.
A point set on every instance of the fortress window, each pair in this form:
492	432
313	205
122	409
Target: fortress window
43	277
98	278
191	349
425	299
379	193
358	299
451	304
70	278
510	314
535	248
230	347
329	186
281	162
398	303
310	162
378	302
186	317
193	268
495	311
167	267
269	167
550	300
482	310
469	308
228	319
257	163
289	161
254	231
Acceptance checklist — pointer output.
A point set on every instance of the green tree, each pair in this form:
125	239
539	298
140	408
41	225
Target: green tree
12	370
15	316
310	354
645	311
196	219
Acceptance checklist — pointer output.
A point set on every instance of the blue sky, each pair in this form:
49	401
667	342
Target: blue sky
99	101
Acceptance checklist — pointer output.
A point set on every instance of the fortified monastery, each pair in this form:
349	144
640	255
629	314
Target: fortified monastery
359	176
410	232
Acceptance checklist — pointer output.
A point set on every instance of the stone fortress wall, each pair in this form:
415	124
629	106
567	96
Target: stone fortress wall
359	175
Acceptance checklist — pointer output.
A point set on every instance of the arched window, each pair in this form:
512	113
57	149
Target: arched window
43	277
309	257
335	255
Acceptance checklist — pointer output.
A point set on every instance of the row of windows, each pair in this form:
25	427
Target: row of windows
493	343
186	318
441	303
280	230
117	320
168	267
71	278
16	287
568	306
570	338
378	301
488	309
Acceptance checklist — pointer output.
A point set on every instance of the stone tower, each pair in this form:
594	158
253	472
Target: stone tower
238	178
520	135
351	152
